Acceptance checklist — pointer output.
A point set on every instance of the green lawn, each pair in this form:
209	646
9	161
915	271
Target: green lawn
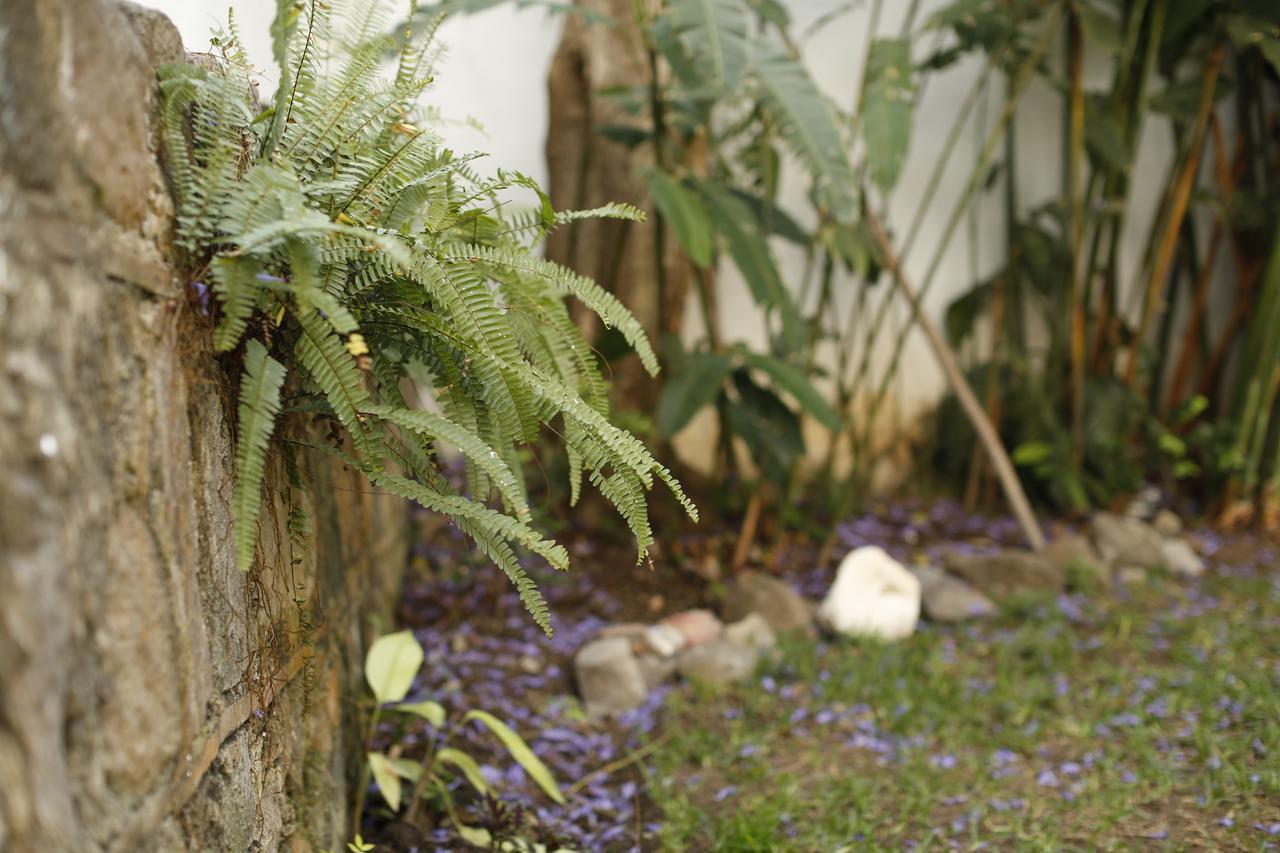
1146	718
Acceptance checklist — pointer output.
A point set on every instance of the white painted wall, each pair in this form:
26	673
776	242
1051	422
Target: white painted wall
495	72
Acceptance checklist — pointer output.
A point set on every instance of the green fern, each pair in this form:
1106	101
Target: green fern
338	228
259	406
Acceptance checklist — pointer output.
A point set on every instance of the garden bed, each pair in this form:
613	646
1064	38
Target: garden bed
1131	715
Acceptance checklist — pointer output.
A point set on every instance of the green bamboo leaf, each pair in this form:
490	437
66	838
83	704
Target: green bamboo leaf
521	752
684	211
888	106
392	662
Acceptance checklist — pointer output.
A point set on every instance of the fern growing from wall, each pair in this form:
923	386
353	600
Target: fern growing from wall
353	254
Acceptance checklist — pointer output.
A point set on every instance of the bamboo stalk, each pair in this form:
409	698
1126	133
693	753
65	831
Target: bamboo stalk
1181	197
1075	168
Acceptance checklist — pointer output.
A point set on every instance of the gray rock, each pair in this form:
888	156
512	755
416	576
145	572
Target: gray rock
947	598
610	679
752	631
720	662
1167	522
1080	562
782	607
1131	575
1126	541
1008	573
656	670
1181	558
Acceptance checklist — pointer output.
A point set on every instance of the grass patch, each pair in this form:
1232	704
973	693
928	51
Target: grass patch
1141	718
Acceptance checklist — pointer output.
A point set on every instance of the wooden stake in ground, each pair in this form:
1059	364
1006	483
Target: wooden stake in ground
955	377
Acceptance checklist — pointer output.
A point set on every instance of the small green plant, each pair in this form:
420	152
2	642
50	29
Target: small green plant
371	280
390	667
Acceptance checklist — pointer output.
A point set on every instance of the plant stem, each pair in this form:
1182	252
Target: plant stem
960	386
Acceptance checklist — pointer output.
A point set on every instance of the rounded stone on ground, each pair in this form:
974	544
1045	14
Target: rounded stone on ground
718	662
1167	522
1181	558
782	607
946	598
696	626
873	595
663	639
752	631
609	677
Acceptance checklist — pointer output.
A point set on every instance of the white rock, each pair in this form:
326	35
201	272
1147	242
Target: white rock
873	595
665	640
1181	558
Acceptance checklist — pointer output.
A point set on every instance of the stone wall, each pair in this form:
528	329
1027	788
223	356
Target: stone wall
152	697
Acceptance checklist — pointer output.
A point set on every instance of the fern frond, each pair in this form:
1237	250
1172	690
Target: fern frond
259	405
235	280
334	370
611	312
440	428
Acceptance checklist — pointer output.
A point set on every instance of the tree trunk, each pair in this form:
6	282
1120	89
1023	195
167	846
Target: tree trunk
589	169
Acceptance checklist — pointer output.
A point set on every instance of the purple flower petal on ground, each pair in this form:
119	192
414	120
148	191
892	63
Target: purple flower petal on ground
1047	779
945	761
725	793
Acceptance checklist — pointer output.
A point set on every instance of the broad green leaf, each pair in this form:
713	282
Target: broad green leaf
1103	137
474	835
769	428
432	712
466	764
391	664
771	11
808	125
684	211
1248	31
387	778
689	389
790	379
406	769
520	751
715	33
773	218
1099	28
887	109
1033	453
963	312
750	252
